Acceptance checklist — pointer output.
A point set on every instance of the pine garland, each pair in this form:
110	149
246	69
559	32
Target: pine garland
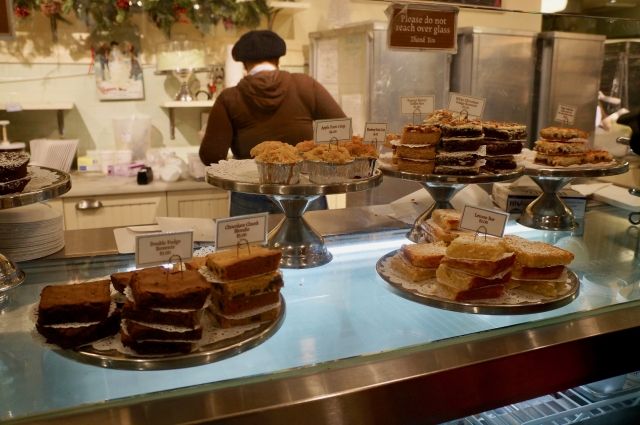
104	16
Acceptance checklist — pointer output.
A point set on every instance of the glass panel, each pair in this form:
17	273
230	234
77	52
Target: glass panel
342	310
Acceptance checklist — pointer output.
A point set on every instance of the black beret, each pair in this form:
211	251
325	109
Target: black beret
258	45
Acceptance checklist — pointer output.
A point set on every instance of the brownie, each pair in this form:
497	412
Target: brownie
183	318
504	130
155	347
142	331
451	170
503	147
70	337
236	264
255	285
500	163
78	303
461	128
180	289
465	160
459	145
13	165
121	280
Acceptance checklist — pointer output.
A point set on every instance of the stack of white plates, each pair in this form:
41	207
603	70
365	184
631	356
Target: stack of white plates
30	232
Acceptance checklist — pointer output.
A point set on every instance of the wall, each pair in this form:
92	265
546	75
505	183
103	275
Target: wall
33	69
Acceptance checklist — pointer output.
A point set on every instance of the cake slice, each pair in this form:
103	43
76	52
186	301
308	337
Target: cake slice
446	218
71	335
477	247
458	280
177	317
179	289
77	303
140	331
235	264
155	347
535	254
410	272
425	255
121	280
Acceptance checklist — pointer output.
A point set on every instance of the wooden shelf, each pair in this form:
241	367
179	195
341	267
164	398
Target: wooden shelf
191	104
287	7
173	104
59	107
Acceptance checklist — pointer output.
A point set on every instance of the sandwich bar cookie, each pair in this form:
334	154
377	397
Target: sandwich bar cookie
418	262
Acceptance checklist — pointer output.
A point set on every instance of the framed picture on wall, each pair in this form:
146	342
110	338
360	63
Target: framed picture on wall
117	69
6	21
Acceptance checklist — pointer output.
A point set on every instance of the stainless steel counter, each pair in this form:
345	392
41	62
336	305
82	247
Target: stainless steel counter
349	350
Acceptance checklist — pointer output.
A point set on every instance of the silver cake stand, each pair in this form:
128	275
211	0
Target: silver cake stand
39	189
548	211
301	245
442	188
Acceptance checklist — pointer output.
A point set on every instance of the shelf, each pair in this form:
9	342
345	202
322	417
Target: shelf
288	7
59	107
191	104
173	104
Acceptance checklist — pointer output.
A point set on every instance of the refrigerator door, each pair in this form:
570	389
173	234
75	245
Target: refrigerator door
570	65
499	66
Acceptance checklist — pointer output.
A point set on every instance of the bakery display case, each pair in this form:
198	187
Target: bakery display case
349	348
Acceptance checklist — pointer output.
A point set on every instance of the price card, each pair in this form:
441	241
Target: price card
375	132
328	130
159	248
484	221
250	228
417	104
566	114
474	106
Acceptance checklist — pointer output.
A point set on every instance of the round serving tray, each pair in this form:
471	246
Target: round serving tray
391	171
203	355
46	183
616	167
532	304
301	189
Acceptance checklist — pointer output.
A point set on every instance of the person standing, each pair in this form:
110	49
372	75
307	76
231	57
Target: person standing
267	104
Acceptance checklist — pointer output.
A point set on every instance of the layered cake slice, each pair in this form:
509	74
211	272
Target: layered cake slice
74	315
246	285
503	141
164	311
461	150
561	147
417	149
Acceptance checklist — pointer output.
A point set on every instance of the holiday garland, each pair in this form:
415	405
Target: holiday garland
107	15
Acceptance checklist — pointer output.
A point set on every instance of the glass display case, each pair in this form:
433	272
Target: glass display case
349	347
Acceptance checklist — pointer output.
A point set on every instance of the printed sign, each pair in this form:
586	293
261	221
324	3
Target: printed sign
375	132
417	104
474	106
422	27
328	130
159	248
566	114
233	230
484	221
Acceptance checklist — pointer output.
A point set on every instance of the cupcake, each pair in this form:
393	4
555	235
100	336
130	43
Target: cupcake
328	164
277	162
364	156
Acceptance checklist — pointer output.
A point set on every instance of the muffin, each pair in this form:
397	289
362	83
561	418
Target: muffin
329	164
364	156
277	162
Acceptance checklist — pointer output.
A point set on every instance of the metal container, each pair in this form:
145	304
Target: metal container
367	78
569	71
499	66
621	73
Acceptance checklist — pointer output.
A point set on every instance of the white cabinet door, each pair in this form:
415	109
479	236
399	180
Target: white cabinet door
113	210
208	203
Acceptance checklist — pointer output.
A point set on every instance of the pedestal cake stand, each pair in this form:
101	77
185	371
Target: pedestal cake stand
46	183
301	245
442	188
548	211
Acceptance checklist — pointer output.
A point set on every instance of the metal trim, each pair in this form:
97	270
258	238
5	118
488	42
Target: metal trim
433	383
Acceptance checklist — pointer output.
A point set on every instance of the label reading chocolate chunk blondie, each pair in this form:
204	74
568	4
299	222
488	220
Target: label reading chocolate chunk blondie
250	228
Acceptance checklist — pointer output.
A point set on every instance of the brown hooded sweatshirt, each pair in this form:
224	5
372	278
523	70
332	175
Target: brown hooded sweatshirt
270	105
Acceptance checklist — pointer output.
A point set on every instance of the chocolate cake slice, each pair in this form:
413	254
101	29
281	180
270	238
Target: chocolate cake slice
155	347
121	280
461	144
84	302
500	147
76	334
175	317
147	331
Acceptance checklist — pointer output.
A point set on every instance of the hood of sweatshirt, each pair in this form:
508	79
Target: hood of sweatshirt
265	90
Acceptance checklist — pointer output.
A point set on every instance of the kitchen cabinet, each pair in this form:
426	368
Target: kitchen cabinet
113	210
212	203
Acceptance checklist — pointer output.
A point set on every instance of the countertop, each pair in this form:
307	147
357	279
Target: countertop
93	184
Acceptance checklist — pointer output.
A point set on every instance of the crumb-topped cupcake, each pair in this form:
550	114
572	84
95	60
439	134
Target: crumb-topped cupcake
328	164
364	156
278	163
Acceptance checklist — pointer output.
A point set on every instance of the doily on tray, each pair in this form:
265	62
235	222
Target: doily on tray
241	170
40	178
